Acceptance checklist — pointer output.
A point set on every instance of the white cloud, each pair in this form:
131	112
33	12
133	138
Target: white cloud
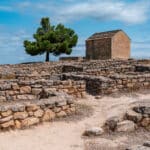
70	10
106	10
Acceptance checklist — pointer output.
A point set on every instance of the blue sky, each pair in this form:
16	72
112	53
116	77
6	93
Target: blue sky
20	19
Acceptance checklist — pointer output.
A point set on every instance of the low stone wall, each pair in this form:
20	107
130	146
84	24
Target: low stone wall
26	114
12	90
29	71
103	85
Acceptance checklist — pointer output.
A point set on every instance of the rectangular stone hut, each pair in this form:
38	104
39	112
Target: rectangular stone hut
108	45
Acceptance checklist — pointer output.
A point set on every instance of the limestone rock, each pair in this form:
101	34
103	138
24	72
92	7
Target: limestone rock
145	122
32	107
61	103
38	113
20	115
48	115
147	144
18	107
15	86
61	114
7	124
25	90
125	126
5	86
133	116
17	124
94	131
36	91
111	123
6	119
30	121
7	113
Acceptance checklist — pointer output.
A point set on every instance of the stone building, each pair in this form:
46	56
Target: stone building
108	45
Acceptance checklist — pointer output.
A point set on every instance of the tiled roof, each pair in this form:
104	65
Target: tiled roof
107	34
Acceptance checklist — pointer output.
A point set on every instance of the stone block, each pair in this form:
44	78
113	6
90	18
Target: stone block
133	116
6	119
145	122
48	115
32	107
7	124
93	131
125	126
61	114
25	90
20	115
17	124
6	113
38	113
29	121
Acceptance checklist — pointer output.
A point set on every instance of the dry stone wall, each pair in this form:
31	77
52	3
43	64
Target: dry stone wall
25	114
13	90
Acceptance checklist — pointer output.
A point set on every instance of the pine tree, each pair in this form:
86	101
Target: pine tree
51	39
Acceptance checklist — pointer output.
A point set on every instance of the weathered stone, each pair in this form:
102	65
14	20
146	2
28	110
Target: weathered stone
20	115
8	76
125	126
145	122
147	110
48	115
133	116
65	107
7	124
2	93
4	108
57	109
30	113
39	113
6	119
147	144
5	86
61	103
18	107
26	97
32	107
94	131
111	123
25	90
2	98
61	114
15	86
142	110
29	121
73	109
17	124
36	91
7	113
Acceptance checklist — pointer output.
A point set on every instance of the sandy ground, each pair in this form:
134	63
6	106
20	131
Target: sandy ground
66	134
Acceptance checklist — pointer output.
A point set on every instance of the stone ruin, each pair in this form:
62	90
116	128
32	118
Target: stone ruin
39	92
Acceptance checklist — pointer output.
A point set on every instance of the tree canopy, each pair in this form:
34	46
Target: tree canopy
51	39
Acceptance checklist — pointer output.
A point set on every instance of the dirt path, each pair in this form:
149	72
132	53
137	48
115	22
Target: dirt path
66	135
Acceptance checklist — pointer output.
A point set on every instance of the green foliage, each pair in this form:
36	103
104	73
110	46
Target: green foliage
51	39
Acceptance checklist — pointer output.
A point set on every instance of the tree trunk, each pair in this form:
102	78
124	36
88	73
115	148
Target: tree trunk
47	57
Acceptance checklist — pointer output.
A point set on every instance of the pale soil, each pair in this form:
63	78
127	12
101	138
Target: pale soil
66	134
